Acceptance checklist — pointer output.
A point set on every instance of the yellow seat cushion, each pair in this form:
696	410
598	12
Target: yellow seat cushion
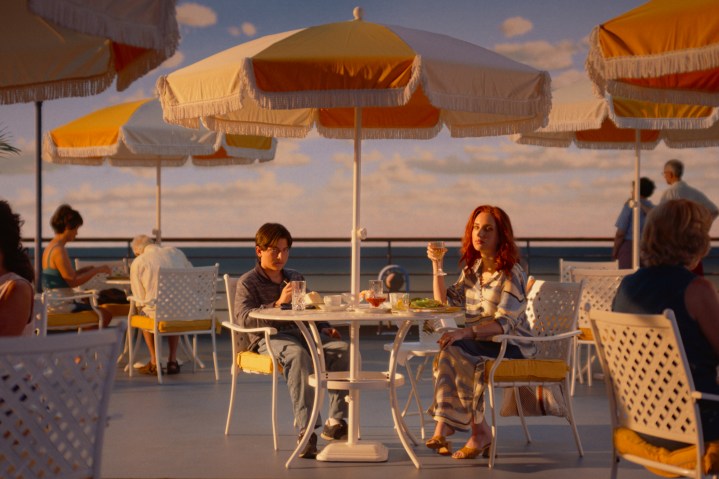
117	309
587	334
627	441
528	370
62	320
255	362
145	322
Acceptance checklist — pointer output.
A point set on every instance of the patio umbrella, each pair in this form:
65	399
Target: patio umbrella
62	48
663	51
357	80
133	134
578	117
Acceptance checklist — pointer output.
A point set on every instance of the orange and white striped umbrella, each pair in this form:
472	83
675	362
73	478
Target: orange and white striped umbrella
664	51
579	117
357	80
133	134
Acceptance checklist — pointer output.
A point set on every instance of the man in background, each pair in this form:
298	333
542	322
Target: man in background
144	275
678	189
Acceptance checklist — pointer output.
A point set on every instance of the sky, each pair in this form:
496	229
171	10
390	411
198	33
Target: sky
409	188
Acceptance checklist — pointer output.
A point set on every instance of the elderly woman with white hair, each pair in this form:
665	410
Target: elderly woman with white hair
144	274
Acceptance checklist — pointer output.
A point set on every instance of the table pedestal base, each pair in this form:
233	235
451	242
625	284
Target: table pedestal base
362	451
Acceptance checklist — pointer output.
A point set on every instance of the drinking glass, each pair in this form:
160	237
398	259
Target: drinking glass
376	293
439	251
298	295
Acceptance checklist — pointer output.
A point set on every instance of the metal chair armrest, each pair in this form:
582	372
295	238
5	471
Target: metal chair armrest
240	329
535	339
705	396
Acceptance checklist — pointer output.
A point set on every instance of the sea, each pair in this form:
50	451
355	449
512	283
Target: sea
327	268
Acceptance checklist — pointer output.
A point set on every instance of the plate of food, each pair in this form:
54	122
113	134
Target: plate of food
325	307
428	306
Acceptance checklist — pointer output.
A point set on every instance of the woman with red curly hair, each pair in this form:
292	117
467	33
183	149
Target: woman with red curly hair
491	288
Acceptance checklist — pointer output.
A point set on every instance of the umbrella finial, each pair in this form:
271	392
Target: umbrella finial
358	13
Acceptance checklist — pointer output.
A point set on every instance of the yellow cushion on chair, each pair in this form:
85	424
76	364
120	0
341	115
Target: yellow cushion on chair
144	322
251	361
586	335
78	319
629	442
528	370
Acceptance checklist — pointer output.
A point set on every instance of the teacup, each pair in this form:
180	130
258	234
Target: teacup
333	300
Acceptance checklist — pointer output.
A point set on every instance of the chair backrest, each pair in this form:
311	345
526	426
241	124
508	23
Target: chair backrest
566	266
397	269
649	384
553	308
119	268
55	396
241	340
600	287
186	293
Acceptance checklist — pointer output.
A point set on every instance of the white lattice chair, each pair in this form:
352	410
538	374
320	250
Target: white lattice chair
248	361
185	305
53	319
427	348
651	392
565	266
552	310
600	287
53	403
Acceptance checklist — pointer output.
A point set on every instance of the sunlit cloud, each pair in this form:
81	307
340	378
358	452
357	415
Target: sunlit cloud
516	26
174	61
567	77
249	29
195	15
541	54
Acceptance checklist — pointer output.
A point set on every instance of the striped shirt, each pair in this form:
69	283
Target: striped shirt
501	299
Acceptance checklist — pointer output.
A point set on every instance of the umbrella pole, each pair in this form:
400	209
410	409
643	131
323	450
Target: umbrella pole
158	205
354	328
38	199
635	207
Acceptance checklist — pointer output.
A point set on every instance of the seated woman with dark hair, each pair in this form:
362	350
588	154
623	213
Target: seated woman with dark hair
58	273
675	239
16	277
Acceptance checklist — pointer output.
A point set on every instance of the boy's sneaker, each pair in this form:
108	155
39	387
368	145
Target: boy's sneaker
310	450
336	432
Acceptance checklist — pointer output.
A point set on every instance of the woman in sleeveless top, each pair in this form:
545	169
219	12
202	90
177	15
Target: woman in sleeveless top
16	276
57	273
675	239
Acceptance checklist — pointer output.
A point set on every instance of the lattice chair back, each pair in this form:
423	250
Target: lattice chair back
54	401
566	266
650	387
186	294
552	309
241	340
598	291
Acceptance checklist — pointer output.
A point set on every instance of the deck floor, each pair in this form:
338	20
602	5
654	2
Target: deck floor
176	430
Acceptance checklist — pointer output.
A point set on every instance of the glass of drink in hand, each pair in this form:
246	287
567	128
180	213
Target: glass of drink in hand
376	294
437	250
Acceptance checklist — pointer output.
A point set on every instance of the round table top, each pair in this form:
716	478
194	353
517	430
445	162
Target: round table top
359	315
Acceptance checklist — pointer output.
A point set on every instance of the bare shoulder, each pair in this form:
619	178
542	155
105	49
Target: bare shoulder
701	287
701	298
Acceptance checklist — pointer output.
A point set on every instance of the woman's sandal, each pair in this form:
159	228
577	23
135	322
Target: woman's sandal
439	444
471	453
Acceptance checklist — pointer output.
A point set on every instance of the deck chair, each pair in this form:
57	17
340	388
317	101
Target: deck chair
552	310
97	283
54	399
56	316
426	348
185	305
600	287
651	392
247	361
565	267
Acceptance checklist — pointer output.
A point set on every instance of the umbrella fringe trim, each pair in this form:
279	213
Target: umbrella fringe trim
381	133
588	145
686	97
529	125
666	123
87	21
535	141
231	127
202	162
690	143
189	115
57	89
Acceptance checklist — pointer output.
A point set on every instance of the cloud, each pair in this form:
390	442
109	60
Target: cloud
195	15
516	26
288	154
541	54
234	31
567	77
174	61
249	29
